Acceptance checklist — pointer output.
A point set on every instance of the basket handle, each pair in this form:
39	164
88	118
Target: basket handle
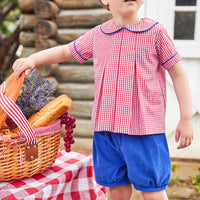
13	111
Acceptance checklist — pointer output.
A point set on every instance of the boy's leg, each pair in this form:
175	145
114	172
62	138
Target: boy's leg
158	195
123	192
109	166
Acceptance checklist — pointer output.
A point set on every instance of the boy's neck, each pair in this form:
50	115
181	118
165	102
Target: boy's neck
125	21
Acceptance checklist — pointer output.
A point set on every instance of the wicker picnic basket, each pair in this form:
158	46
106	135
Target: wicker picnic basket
10	167
19	158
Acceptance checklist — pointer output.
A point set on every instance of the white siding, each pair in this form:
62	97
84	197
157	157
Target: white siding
192	68
163	11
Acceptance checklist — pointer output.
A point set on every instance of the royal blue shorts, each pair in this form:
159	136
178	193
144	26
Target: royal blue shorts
121	159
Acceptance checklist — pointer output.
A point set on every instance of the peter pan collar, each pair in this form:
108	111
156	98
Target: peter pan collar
143	25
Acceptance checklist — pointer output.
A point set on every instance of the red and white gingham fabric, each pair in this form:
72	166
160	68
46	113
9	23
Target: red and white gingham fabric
129	72
71	177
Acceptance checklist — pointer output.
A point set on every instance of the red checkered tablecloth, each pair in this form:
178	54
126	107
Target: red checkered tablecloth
71	177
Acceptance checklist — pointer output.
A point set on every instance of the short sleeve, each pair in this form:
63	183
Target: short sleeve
82	48
168	55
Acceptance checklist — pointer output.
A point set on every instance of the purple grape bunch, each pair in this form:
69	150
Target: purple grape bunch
69	123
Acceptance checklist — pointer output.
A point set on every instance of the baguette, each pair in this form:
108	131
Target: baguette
6	134
50	112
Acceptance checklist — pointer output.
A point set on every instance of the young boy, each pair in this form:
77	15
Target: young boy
130	57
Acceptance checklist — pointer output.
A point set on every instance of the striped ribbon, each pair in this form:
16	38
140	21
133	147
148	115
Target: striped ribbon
13	111
11	141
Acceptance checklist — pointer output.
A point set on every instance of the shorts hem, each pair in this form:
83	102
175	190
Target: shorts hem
113	184
151	189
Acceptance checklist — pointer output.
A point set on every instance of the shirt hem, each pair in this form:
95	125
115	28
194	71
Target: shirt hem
161	131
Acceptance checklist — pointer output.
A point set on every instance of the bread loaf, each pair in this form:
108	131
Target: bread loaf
9	135
50	112
6	134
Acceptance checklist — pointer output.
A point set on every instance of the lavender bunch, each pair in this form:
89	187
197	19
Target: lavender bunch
36	92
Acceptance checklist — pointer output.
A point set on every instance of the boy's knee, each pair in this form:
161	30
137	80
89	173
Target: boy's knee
157	195
123	192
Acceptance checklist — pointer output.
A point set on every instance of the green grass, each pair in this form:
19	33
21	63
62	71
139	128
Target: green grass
196	181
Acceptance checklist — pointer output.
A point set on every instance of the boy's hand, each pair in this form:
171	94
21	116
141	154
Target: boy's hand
184	133
22	65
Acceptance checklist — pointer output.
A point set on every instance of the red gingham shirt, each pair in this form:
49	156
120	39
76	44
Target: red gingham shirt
129	72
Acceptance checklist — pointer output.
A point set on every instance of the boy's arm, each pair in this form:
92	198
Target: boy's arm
184	131
48	56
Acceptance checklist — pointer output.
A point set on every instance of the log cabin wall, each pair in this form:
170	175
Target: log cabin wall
46	24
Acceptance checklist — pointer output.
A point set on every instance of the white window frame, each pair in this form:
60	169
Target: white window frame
164	12
189	48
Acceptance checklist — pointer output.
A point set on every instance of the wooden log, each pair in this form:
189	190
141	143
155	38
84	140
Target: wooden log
77	4
47	70
27	21
83	128
74	62
64	38
81	21
42	44
77	91
81	109
73	73
46	28
27	51
81	145
26	5
46	9
27	39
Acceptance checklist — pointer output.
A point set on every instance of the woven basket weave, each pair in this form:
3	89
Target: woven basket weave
10	167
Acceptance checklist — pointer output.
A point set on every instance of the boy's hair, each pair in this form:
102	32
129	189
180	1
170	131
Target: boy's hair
104	6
